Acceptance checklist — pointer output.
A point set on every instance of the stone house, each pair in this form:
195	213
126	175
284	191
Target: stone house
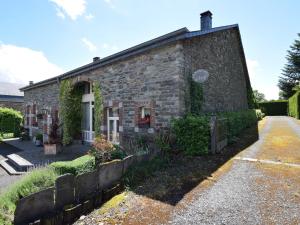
147	85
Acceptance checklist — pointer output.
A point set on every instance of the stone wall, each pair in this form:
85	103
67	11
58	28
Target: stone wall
149	80
73	196
219	53
146	79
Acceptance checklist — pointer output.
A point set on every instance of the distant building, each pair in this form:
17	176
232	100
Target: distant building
147	85
12	101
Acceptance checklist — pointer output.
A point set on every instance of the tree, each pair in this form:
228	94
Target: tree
291	71
258	97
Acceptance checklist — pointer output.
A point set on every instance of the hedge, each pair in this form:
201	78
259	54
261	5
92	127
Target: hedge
77	166
274	108
238	121
294	105
192	134
10	121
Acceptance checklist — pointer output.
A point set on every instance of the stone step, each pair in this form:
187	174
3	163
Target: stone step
19	163
10	168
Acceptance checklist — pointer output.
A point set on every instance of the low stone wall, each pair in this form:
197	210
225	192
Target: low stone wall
73	196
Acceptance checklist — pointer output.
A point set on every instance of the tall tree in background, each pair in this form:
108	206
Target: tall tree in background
258	97
291	71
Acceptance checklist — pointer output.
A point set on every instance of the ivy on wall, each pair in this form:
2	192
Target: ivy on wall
251	100
98	107
196	97
70	111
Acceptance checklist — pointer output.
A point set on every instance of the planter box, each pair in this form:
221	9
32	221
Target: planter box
51	149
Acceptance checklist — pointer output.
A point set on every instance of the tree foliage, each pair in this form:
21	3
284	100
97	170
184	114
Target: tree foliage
291	71
98	106
258	97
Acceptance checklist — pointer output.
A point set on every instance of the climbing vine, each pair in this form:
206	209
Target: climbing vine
196	96
98	107
70	111
64	102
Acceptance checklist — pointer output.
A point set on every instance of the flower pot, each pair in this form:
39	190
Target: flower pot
51	149
38	142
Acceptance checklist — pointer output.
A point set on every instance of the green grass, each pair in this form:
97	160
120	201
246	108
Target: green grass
32	182
77	166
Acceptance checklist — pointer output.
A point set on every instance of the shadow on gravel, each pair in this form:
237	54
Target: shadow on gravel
181	174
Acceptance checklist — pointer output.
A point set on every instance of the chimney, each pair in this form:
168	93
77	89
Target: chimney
95	59
206	20
31	82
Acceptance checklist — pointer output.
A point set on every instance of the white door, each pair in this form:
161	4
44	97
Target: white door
113	125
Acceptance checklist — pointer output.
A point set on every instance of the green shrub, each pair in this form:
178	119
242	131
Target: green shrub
39	137
163	142
274	108
138	173
238	121
32	182
294	105
118	154
10	121
259	114
7	135
192	134
77	166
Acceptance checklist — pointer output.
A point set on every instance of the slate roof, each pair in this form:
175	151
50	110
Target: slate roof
174	36
11	98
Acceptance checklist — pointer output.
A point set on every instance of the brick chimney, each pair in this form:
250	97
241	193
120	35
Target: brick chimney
95	59
206	20
31	82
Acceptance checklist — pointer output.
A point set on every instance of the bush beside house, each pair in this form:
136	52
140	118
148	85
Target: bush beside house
193	132
77	166
274	108
10	122
294	105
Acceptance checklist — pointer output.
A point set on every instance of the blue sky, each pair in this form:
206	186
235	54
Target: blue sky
42	38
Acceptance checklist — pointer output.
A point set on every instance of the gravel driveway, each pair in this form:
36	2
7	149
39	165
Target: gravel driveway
251	192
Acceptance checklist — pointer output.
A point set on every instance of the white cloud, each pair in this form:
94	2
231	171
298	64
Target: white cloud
73	8
20	65
60	14
89	16
110	3
91	47
253	66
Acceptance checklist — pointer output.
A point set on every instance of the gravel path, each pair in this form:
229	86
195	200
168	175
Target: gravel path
250	193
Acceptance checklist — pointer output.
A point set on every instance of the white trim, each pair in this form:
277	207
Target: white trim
114	130
88	98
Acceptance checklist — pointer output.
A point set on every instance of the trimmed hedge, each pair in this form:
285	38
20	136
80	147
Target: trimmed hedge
274	108
10	121
294	105
238	121
77	166
192	134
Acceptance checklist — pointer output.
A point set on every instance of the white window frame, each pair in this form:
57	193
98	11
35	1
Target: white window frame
114	119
